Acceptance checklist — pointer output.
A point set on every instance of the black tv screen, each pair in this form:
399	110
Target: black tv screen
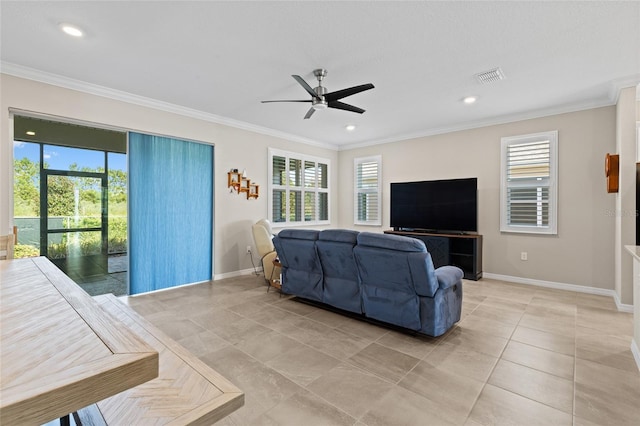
435	205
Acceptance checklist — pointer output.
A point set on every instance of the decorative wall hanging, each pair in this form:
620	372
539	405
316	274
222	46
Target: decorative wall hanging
239	183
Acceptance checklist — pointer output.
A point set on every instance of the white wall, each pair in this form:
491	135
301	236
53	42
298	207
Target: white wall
625	227
583	251
234	148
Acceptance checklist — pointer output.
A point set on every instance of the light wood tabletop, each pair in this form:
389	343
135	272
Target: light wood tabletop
187	391
60	350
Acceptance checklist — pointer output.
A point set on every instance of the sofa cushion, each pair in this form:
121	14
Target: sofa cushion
391	242
301	269
339	235
299	234
342	287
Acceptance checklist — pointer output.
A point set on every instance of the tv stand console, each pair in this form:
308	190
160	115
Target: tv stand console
461	250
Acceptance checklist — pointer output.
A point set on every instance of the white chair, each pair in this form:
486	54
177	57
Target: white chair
262	236
6	246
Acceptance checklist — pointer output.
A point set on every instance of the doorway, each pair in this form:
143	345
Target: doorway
70	200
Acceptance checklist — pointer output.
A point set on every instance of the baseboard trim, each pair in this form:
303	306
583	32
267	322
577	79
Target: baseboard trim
239	273
563	286
636	352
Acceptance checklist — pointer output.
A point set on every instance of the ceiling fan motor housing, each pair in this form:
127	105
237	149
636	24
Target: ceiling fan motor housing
319	102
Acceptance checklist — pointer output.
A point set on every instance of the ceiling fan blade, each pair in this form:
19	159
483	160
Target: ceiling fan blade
346	107
266	102
309	113
339	94
305	85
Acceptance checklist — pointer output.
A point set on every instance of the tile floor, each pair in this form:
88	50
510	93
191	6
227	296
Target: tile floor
521	355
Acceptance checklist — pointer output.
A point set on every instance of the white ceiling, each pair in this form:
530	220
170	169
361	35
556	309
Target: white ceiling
223	58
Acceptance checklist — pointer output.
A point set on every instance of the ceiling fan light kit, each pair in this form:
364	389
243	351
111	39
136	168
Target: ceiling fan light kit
320	99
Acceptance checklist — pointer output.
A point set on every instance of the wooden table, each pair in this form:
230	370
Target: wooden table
59	350
187	391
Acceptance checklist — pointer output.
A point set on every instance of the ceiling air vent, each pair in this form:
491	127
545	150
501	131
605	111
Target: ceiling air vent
490	76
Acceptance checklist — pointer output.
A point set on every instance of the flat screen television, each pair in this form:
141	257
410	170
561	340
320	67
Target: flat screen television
435	206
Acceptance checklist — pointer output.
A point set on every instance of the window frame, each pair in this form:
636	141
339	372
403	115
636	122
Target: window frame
357	191
287	188
552	227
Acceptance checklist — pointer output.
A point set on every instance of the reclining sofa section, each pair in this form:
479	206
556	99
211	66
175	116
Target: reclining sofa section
388	278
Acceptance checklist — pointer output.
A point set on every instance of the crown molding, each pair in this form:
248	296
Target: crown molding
622	83
504	119
57	80
119	95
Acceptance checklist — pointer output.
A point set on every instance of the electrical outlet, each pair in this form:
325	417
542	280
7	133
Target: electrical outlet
248	249
523	255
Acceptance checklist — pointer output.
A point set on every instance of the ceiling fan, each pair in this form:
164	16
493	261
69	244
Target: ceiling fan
320	99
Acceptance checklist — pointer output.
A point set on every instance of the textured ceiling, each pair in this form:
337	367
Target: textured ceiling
223	58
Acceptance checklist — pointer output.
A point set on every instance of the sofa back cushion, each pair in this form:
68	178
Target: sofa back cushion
394	270
340	274
301	270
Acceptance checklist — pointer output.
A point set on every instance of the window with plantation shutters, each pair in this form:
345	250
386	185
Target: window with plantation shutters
529	183
367	191
298	189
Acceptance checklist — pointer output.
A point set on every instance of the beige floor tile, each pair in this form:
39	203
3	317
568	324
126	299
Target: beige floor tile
144	307
293	305
462	361
213	319
477	321
273	317
442	386
269	328
247	307
534	384
417	346
605	394
351	389
604	348
329	318
476	341
497	406
403	407
363	329
178	328
467	308
305	408
239	331
605	320
595	301
540	359
266	346
579	421
494	313
548	322
504	304
203	343
337	343
265	386
542	339
303	364
384	362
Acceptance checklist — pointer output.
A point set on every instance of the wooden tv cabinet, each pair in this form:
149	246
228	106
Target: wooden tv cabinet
461	250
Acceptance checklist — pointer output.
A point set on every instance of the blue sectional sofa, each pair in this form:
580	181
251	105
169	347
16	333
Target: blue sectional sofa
388	278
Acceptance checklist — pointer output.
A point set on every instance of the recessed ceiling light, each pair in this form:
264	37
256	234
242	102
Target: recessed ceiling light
350	127
470	99
30	133
71	30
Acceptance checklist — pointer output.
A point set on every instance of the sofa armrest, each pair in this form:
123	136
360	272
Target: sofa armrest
448	276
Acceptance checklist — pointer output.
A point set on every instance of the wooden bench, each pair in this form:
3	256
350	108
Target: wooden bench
186	392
